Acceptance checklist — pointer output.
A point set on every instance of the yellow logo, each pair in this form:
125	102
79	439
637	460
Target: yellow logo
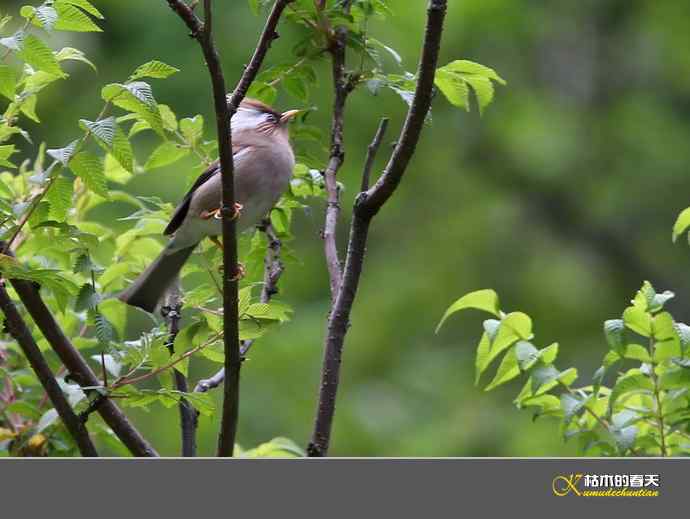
564	485
606	485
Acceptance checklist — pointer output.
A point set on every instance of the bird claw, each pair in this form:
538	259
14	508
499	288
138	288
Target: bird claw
218	213
239	273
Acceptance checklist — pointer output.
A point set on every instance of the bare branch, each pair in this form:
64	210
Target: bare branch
267	36
367	205
17	327
372	150
172	313
79	370
341	89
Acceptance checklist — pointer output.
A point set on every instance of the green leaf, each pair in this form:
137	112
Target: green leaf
527	355
5	152
8	82
136	97
455	79
39	56
263	92
103	129
638	320
72	54
613	330
85	5
633	381
63	155
73	19
89	168
508	369
169	118
166	154
46	15
153	69
59	196
637	352
486	300
681	225
87	298
192	128
276	448
548	355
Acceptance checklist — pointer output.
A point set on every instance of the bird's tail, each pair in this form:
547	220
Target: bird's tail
148	289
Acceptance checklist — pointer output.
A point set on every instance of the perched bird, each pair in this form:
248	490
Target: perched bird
263	161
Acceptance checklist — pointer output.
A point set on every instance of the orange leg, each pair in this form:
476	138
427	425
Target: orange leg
216	213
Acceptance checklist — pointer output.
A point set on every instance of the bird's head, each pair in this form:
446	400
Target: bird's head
255	115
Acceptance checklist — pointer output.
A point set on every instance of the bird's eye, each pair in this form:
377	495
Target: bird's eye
272	118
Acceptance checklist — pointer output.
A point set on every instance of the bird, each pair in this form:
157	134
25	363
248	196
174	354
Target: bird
263	164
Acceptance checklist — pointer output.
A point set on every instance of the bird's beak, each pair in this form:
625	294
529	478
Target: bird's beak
285	117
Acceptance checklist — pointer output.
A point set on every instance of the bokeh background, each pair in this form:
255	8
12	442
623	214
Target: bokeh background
561	197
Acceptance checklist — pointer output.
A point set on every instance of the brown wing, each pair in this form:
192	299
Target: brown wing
181	210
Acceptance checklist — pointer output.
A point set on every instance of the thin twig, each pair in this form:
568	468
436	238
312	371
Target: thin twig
372	150
341	89
366	206
172	313
17	327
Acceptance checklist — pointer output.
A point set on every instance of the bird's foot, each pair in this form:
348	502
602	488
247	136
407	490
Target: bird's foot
239	273
218	214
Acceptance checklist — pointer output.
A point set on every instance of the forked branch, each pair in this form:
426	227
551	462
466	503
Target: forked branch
367	205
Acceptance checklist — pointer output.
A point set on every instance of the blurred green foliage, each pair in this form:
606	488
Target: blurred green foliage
560	197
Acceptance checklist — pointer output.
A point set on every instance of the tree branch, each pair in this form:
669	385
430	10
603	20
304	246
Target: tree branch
366	206
172	313
79	370
17	327
341	88
224	111
372	150
273	269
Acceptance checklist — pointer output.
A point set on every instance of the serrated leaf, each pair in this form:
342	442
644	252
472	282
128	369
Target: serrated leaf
13	42
47	15
136	97
73	19
153	69
87	298
486	300
89	168
39	56
169	118
85	5
104	329
59	196
165	154
72	54
63	155
103	129
634	381
8	82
